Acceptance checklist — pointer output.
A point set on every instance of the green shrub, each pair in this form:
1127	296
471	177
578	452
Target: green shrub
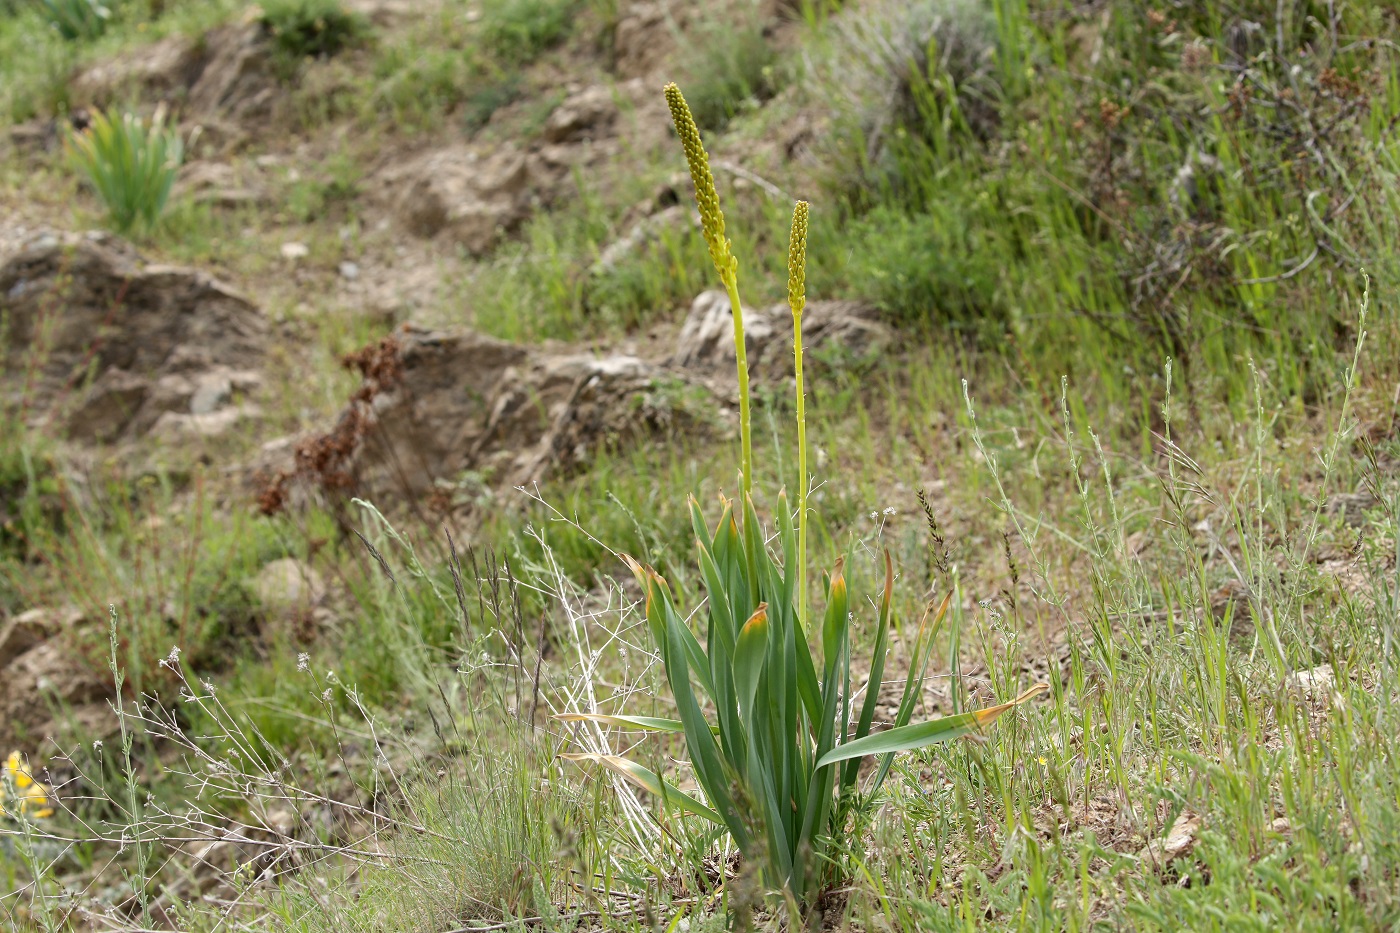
519	30
728	70
76	19
131	165
905	75
302	29
780	765
488	96
935	267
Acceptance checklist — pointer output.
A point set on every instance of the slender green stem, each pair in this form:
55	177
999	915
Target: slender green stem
731	285
797	301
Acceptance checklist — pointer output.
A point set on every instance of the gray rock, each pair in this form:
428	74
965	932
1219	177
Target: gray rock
471	198
587	114
212	392
706	339
288	584
460	402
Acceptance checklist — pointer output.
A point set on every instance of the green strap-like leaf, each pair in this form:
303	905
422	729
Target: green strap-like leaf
919	735
648	780
877	671
749	656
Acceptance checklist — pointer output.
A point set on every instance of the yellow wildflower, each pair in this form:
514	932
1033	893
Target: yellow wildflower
35	797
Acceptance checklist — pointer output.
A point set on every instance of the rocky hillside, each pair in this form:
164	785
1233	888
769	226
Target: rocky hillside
1100	339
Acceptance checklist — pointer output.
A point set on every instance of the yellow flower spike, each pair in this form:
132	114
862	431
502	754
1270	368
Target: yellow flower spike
797	260
706	197
34	795
712	223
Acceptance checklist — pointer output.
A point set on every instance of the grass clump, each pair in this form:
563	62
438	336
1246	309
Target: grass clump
730	70
302	29
76	20
131	165
519	30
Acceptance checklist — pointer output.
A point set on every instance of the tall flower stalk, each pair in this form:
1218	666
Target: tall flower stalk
797	301
712	223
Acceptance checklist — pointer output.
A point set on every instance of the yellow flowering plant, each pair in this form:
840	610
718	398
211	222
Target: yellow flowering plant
22	794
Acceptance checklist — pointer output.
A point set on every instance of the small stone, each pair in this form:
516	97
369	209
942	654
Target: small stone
1180	841
349	271
176	426
212	393
25	631
1314	684
287	584
294	251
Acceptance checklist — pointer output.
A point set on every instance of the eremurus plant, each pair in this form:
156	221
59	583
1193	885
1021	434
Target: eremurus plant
766	702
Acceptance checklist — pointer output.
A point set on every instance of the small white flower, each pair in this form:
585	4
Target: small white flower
303	662
890	510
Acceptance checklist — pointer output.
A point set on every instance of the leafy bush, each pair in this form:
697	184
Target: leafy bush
728	70
488	96
519	30
936	266
302	29
906	73
131	164
780	765
76	19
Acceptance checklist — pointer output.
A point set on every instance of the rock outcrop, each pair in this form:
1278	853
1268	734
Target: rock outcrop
115	347
435	406
470	198
848	328
475	193
225	75
45	683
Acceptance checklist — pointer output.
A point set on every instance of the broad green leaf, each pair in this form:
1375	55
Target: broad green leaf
806	672
835	624
919	735
704	754
918	664
749	656
648	780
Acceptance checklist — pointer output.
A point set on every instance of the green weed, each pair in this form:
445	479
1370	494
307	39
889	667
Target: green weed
76	19
302	29
730	69
518	31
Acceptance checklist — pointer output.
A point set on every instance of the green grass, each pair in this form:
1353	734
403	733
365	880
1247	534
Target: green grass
302	29
519	30
76	20
730	68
